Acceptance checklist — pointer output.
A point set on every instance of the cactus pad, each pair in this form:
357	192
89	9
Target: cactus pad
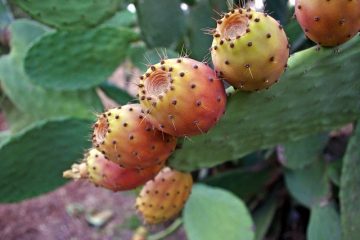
72	14
77	59
30	166
21	91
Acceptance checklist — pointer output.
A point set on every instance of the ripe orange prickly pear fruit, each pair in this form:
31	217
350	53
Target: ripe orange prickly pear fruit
182	97
127	138
107	174
164	197
328	23
250	49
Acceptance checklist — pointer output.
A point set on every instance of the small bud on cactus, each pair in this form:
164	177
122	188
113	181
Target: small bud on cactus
182	97
109	175
164	197
125	137
250	49
328	23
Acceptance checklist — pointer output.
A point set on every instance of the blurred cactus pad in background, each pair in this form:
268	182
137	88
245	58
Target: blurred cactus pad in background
282	161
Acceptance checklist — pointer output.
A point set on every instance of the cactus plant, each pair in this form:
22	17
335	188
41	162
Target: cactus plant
277	163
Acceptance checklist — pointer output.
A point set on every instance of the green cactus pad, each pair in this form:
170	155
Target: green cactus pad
298	154
72	14
324	223
157	32
31	167
78	59
34	100
320	91
310	185
213	214
350	189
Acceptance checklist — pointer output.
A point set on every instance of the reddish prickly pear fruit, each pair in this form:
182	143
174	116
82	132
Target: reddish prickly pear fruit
125	137
164	197
182	97
328	23
107	174
250	49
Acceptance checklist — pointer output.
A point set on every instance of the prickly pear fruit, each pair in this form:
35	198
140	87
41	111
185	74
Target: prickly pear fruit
182	97
107	174
164	197
328	23
125	137
250	49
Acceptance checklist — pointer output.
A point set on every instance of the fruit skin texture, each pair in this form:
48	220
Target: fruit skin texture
328	23
164	197
249	49
107	174
125	137
182	97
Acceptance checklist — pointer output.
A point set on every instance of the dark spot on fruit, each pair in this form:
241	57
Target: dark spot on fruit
249	44
182	74
193	86
232	45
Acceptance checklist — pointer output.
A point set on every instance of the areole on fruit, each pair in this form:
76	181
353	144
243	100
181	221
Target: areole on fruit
107	174
328	23
250	49
126	137
182	97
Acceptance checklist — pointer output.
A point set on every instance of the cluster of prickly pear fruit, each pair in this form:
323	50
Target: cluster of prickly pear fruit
182	97
250	49
165	196
328	23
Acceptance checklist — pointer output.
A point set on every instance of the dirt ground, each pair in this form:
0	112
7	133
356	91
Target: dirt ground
49	217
